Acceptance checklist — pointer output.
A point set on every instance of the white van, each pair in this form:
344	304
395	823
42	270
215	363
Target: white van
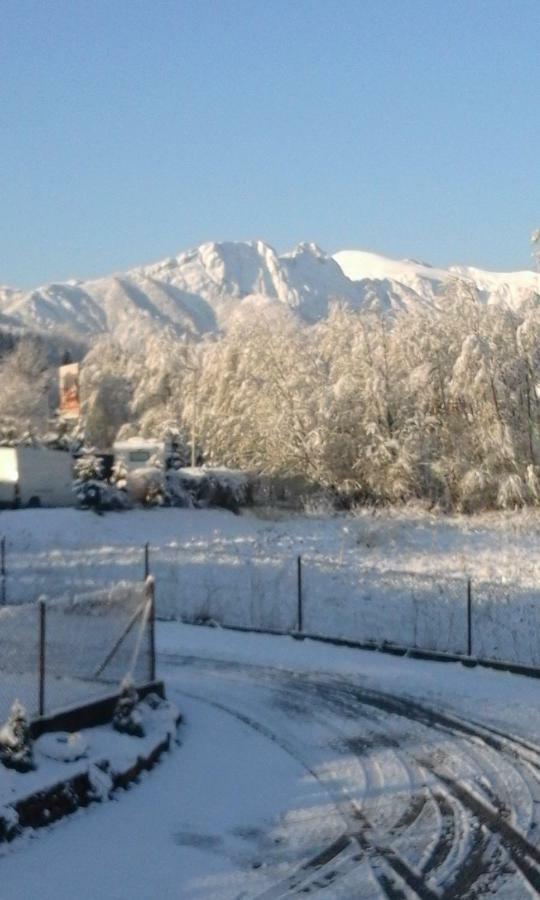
35	476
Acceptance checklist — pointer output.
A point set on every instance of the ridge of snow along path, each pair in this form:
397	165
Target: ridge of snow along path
308	769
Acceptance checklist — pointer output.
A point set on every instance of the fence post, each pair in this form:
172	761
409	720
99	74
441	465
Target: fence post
42	627
469	617
300	623
3	569
151	599
146	561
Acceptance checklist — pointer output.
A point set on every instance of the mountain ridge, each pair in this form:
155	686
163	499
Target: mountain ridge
199	291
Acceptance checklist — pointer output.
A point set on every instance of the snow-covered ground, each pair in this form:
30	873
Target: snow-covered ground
396	576
311	769
100	752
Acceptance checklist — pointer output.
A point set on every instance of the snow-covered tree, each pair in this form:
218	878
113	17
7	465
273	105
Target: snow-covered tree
25	382
16	751
440	403
126	717
106	391
119	475
535	240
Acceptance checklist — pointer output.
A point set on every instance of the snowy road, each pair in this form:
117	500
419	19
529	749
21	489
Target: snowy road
307	770
414	801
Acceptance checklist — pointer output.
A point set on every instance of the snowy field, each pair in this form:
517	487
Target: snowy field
394	576
309	769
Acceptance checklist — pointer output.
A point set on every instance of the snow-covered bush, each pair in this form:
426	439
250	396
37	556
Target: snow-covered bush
119	475
88	467
177	492
88	484
147	486
91	489
126	717
225	488
16	751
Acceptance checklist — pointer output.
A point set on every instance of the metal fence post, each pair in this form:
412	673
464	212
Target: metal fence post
151	599
3	569
469	617
42	628
146	561
300	623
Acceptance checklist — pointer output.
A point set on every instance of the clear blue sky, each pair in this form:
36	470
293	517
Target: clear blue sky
133	129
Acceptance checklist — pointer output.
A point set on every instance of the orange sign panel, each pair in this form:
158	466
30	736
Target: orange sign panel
70	405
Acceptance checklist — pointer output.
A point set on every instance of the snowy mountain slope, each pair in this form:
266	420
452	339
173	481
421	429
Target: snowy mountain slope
317	281
512	288
7	294
305	280
427	282
421	277
125	307
201	290
225	272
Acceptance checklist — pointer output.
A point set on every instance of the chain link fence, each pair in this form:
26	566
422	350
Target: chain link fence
59	653
19	657
401	608
66	573
488	619
241	585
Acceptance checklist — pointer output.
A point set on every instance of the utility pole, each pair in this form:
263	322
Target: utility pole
193	457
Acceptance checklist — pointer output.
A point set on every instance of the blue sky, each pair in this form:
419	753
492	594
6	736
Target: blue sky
132	130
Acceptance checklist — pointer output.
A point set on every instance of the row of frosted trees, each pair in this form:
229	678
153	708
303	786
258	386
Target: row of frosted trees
441	403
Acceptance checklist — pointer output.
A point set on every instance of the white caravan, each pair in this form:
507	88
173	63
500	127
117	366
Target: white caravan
140	453
35	476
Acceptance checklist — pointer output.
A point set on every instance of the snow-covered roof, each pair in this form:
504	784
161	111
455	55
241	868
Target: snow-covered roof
138	444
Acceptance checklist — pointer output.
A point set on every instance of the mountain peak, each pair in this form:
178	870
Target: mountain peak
199	290
307	248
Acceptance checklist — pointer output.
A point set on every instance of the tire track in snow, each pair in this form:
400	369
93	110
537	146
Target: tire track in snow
524	854
398	871
449	818
473	841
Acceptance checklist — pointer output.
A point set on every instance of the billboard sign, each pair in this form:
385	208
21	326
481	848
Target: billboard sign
69	406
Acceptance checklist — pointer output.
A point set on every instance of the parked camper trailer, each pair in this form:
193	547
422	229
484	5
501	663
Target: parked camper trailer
140	453
35	476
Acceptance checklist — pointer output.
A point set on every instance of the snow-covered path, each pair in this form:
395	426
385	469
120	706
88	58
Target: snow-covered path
310	769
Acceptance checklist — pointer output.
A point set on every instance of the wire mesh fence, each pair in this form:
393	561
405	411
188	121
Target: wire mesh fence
19	657
57	653
401	608
324	598
241	585
506	622
228	588
334	600
66	573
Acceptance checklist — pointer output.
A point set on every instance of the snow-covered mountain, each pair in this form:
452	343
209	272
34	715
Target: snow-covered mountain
200	290
427	282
